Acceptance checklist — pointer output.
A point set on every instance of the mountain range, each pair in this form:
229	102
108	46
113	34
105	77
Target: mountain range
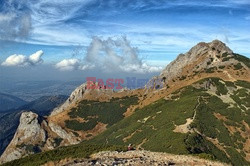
202	109
9	102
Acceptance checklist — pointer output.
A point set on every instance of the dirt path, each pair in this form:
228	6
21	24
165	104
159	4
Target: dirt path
185	127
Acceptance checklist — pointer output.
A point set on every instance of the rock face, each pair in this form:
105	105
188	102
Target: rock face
80	93
34	134
29	130
9	121
74	97
201	50
71	139
140	158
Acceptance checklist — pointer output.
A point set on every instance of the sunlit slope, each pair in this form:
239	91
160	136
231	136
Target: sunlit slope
209	118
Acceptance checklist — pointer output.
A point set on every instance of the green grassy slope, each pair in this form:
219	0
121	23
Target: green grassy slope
75	151
93	112
155	123
151	127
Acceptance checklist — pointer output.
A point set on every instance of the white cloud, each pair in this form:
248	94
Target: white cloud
116	55
22	60
14	27
144	68
68	64
59	35
15	21
36	57
161	62
72	64
109	55
6	17
16	60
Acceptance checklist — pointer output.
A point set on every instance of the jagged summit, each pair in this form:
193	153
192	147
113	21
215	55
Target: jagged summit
219	45
35	134
75	95
214	45
200	58
29	130
80	93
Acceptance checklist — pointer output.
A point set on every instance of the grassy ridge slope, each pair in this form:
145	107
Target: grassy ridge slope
220	117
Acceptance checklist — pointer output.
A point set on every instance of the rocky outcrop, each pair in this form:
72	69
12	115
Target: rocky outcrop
75	96
34	134
69	138
28	131
83	92
9	121
201	49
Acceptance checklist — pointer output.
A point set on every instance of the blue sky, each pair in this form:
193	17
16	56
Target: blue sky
152	32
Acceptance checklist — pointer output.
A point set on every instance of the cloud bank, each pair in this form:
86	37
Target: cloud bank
108	56
22	60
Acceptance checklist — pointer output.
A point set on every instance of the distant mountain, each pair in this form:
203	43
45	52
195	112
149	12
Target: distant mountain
10	102
9	119
199	105
44	105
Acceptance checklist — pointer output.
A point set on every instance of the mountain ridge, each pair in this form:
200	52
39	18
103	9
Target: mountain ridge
10	102
75	121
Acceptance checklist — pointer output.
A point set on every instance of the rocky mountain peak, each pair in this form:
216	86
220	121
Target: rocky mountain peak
220	46
35	134
28	118
28	131
76	95
200	53
80	93
215	45
29	127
